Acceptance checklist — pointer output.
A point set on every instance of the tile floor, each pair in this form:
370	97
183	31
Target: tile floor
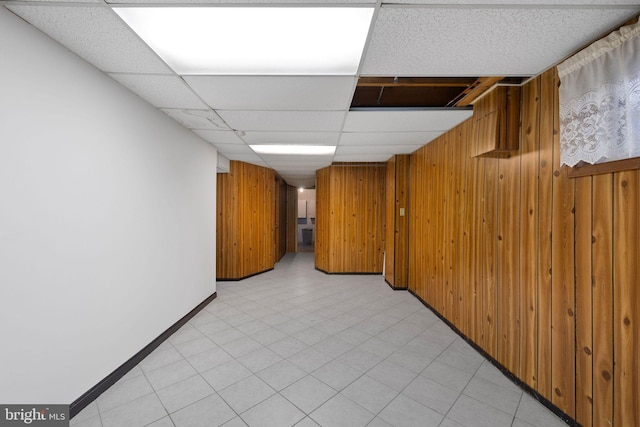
297	347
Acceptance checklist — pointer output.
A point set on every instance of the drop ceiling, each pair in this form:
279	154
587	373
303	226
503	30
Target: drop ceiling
438	51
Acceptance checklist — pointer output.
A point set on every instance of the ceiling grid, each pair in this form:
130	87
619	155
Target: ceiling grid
418	39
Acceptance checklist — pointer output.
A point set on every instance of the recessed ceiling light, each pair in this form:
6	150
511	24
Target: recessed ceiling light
254	40
294	149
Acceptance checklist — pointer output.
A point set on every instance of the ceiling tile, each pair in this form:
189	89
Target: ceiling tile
161	91
229	149
361	157
290	121
274	92
405	120
536	3
295	160
197	119
458	41
241	2
57	1
314	138
249	158
219	136
96	34
384	138
376	149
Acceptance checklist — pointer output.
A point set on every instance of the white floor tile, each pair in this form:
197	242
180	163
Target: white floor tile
281	374
259	359
431	394
408	413
308	393
159	358
137	413
196	346
241	346
341	412
184	393
209	359
487	392
123	392
392	375
287	346
336	374
246	393
473	413
211	411
170	374
446	375
226	374
533	412
369	393
277	348
273	412
309	360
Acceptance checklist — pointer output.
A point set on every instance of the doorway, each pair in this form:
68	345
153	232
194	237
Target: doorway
306	220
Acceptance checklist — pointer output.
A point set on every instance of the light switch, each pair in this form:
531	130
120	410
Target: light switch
401	211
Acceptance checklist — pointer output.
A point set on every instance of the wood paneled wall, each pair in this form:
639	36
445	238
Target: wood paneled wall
246	221
280	218
396	242
538	269
350	218
292	219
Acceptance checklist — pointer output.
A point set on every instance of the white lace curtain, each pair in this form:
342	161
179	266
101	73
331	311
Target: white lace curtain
600	100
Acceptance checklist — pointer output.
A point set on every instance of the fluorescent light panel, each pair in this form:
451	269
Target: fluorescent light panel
294	149
254	40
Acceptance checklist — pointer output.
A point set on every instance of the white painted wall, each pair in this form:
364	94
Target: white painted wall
107	220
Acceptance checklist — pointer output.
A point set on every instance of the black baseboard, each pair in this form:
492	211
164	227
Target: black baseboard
350	273
396	288
527	388
80	403
237	279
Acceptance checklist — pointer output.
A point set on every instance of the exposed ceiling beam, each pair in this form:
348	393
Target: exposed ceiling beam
474	91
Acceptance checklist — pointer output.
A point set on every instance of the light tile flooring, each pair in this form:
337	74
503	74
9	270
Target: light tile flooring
297	347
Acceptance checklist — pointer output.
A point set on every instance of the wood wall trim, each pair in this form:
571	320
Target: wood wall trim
604	168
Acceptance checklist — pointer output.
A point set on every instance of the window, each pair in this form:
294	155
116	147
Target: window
600	101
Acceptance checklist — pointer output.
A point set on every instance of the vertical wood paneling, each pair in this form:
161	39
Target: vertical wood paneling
338	236
529	233
280	218
584	303
602	311
544	268
323	219
548	95
489	260
402	221
508	281
563	278
225	225
390	230
246	221
354	229
468	281
292	219
626	321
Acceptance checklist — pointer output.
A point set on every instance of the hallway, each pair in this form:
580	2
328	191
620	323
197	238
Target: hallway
294	346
